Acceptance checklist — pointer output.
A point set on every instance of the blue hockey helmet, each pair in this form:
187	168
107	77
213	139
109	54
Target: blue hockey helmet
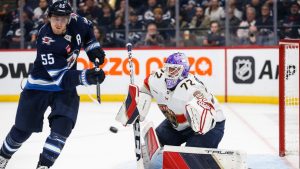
60	8
177	68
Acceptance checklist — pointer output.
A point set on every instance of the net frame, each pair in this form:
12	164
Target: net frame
283	44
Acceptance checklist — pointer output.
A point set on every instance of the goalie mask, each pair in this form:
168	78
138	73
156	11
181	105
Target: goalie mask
177	68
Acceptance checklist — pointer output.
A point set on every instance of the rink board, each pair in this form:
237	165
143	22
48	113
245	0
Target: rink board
235	75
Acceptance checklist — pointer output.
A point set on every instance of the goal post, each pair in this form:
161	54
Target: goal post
289	50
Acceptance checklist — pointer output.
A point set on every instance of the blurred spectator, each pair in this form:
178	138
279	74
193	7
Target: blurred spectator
117	33
200	21
188	40
283	4
40	10
7	15
90	10
101	37
136	3
188	10
13	36
291	23
134	24
121	10
215	12
107	18
233	21
28	6
214	36
169	13
236	12
233	26
265	27
34	32
152	37
256	4
163	24
147	10
247	29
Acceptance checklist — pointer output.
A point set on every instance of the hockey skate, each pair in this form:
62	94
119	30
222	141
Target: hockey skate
42	167
3	162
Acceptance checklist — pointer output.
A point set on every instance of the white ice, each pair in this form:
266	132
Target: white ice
252	128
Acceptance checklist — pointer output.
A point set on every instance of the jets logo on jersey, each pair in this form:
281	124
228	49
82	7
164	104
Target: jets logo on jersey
47	40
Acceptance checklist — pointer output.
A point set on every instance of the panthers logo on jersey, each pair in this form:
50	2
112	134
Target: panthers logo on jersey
169	114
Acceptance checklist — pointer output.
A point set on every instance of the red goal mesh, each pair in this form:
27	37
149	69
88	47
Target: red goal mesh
289	97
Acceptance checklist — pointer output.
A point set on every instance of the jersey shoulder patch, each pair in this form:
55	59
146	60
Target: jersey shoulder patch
156	80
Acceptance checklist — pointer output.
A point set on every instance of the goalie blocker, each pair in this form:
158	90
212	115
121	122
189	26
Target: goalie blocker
136	105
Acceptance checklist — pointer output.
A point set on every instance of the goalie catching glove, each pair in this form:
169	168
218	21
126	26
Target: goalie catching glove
135	106
200	114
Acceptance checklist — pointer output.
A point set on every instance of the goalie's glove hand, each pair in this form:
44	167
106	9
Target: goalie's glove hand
97	53
92	76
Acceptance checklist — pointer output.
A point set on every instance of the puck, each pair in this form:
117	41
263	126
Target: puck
113	129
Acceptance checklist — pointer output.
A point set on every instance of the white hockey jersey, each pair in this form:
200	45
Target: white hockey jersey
172	103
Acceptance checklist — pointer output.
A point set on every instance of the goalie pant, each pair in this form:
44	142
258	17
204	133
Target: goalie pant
167	135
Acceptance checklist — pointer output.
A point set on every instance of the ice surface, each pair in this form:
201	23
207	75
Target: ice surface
252	128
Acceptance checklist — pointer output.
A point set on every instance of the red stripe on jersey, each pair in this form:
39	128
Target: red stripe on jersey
146	82
173	160
180	118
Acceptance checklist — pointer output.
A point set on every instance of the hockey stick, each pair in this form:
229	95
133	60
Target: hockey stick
136	124
98	84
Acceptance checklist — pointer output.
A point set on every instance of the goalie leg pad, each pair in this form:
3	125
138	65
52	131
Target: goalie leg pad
151	147
202	158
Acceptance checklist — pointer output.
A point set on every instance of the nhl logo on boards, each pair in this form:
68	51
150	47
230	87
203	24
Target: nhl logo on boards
47	40
243	69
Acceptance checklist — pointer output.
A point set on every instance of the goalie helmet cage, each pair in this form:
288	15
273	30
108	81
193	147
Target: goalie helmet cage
289	50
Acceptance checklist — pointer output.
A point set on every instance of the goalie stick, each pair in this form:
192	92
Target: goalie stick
136	124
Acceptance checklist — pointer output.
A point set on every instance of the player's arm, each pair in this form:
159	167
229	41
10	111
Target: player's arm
91	46
73	78
136	104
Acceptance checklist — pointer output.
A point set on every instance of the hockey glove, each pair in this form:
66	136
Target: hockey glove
92	76
97	53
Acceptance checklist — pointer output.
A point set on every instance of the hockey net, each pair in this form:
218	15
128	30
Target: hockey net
289	97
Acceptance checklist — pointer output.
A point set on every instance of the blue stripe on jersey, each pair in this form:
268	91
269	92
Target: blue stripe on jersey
46	85
92	46
54	73
43	87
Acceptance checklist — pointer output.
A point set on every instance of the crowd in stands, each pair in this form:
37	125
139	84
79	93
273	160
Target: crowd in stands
153	22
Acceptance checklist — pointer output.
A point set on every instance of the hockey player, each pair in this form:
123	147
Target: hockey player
193	114
52	83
